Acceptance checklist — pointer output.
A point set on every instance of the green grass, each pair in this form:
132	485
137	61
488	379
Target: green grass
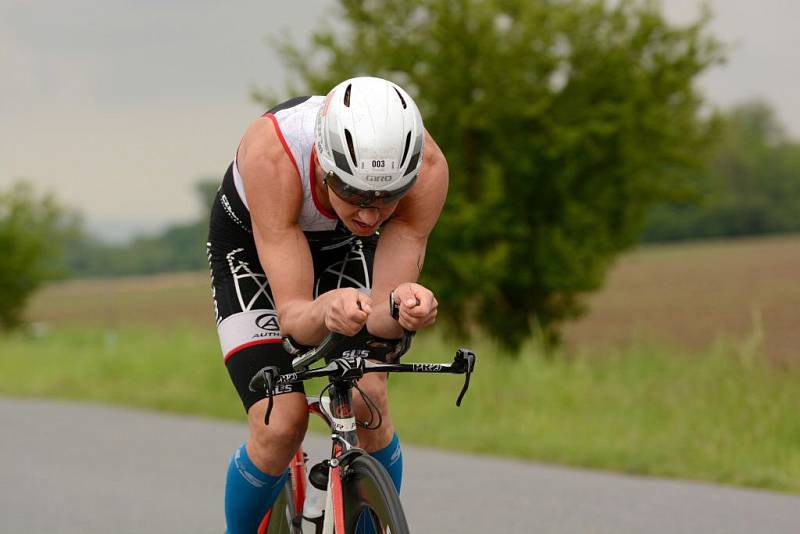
180	370
720	415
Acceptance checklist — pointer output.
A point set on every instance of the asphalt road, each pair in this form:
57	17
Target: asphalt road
80	468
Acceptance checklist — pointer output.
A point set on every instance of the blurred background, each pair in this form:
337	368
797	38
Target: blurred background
621	235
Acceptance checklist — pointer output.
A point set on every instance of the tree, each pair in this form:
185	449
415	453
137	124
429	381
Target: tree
750	186
32	230
562	122
179	247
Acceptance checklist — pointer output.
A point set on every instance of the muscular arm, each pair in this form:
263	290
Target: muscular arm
275	196
401	248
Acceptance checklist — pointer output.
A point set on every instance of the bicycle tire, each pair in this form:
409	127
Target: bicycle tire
367	490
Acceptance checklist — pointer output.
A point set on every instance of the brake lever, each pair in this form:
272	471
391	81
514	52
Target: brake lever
408	335
267	376
270	389
464	362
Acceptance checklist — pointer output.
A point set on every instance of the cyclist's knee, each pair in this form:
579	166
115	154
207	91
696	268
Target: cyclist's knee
273	445
374	385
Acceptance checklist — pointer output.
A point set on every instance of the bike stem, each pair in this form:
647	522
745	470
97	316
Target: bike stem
343	421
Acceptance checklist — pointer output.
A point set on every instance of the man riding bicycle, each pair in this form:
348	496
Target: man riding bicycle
323	216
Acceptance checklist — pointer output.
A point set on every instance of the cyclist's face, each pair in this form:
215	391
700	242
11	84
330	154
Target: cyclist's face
361	221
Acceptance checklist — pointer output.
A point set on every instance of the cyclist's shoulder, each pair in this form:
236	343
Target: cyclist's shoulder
298	104
421	207
267	134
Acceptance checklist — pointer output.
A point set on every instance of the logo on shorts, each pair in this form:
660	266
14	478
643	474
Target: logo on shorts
268	322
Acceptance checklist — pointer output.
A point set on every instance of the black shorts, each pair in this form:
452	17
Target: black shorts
247	322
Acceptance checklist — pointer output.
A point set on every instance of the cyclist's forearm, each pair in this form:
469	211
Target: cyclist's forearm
304	320
381	324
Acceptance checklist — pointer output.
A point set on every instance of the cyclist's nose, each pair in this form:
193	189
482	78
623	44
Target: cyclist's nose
368	216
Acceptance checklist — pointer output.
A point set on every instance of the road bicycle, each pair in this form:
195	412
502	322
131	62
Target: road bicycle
360	497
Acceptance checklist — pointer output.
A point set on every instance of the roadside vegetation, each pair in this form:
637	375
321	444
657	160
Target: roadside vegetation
715	397
723	414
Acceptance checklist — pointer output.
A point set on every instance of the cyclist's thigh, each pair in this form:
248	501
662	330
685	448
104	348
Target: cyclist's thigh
348	264
375	386
289	416
247	321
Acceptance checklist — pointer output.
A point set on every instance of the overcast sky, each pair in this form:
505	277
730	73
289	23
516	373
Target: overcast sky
120	106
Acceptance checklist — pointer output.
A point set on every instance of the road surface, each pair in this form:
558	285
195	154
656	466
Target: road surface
83	468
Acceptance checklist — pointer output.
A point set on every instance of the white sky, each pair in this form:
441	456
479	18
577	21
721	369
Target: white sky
120	106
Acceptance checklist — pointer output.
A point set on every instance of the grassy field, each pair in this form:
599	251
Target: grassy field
684	295
646	410
704	405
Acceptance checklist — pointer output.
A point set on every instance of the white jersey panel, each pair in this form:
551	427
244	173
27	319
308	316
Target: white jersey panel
296	125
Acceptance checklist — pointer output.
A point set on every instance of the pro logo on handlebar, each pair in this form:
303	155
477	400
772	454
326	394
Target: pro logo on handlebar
426	367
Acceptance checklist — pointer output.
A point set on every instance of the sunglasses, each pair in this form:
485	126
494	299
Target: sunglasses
365	198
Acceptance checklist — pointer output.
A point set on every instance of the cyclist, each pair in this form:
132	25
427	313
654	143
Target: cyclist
321	189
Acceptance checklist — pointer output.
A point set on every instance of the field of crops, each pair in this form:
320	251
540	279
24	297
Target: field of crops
691	294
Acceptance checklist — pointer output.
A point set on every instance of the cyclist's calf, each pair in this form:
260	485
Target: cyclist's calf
272	447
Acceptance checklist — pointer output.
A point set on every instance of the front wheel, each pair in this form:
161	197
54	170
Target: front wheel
282	519
371	504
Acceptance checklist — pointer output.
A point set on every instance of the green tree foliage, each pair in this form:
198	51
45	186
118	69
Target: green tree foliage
750	186
179	247
562	122
32	230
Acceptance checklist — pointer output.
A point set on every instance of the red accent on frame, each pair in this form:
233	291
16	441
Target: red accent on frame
262	528
274	120
251	344
299	480
338	498
313	183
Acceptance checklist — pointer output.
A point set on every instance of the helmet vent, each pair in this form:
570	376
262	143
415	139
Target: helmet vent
405	150
347	96
402	100
412	165
350	145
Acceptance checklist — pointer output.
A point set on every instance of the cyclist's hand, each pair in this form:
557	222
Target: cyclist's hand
347	311
418	306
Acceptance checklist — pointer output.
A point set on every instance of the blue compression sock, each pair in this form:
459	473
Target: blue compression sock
391	458
249	493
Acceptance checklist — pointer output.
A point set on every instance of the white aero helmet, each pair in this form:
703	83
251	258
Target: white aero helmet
369	139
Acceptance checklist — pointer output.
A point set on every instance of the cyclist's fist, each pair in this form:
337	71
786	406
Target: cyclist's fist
347	311
418	307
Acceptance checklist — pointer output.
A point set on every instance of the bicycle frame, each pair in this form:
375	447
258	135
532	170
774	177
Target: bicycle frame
337	411
344	438
340	418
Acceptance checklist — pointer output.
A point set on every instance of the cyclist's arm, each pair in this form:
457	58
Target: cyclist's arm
275	197
401	248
